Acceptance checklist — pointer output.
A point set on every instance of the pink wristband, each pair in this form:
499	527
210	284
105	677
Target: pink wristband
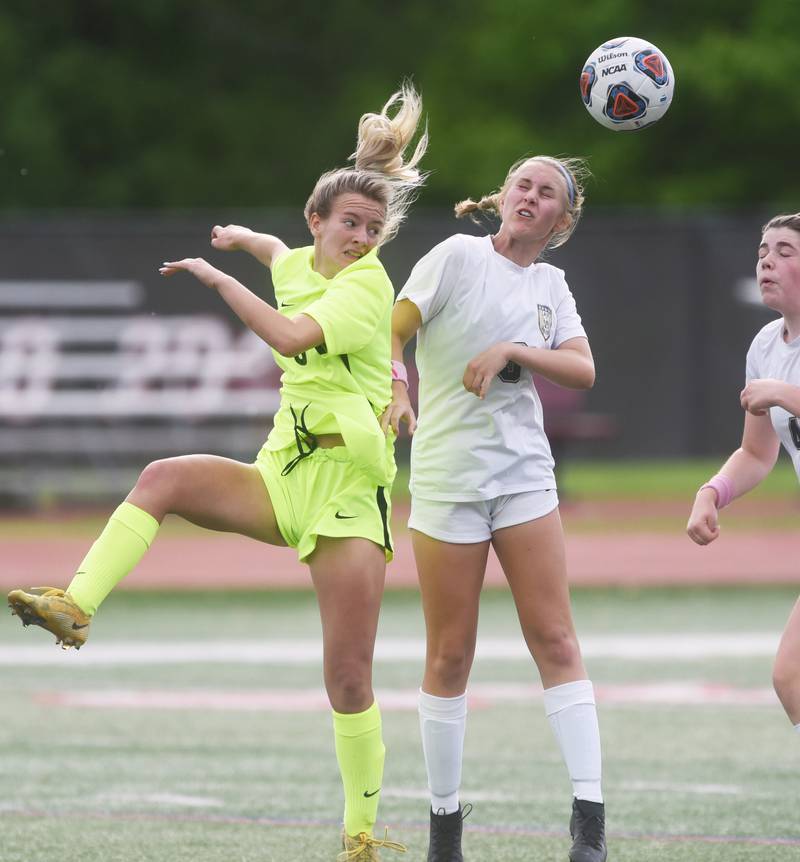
723	487
399	372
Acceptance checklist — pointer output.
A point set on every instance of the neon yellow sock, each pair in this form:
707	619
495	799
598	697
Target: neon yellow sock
360	752
127	535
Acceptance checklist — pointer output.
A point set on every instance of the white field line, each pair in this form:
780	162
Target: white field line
479	696
651	648
683	788
173	800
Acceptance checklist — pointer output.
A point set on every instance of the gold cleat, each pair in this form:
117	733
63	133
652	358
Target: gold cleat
54	610
364	848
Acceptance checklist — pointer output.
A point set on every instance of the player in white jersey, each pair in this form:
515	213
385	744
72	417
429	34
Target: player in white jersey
771	400
488	313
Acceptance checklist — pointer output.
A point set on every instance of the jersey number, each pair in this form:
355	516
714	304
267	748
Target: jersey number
794	430
302	359
512	372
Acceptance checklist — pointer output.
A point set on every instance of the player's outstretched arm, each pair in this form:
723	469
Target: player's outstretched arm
233	237
288	336
749	465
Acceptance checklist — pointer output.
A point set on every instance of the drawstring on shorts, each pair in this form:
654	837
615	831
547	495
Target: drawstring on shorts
303	437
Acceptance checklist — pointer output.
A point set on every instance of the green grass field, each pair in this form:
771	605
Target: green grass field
649	479
661	479
176	777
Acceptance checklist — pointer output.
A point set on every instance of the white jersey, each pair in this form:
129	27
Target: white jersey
470	298
770	356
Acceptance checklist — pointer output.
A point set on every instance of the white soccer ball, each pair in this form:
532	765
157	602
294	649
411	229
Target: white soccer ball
627	84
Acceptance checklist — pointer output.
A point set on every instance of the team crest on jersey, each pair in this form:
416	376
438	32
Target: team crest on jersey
545	321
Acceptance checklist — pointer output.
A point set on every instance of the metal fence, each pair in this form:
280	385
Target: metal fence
104	365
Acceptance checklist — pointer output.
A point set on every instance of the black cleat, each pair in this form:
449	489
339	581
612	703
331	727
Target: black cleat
445	838
587	826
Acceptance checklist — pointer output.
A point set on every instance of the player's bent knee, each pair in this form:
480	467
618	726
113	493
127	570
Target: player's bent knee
160	480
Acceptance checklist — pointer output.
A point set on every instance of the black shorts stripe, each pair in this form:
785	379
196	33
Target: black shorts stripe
383	509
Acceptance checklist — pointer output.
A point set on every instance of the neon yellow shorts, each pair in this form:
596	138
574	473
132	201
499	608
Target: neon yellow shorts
325	494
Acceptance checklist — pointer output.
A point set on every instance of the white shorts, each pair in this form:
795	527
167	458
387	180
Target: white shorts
476	520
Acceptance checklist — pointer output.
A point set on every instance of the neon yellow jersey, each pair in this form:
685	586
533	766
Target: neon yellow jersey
343	385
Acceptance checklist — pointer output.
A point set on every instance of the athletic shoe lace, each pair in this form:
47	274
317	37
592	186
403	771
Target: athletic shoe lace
364	849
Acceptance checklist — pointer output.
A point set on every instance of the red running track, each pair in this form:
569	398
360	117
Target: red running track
610	556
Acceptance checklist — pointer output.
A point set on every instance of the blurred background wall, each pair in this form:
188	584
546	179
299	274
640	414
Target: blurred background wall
104	364
126	131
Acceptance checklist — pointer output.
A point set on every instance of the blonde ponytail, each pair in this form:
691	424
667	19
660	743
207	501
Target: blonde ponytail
382	139
380	172
487	204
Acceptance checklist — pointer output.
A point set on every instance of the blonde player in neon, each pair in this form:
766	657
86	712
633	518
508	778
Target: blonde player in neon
488	313
321	482
771	404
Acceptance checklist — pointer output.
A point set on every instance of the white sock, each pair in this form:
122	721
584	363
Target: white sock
442	721
572	714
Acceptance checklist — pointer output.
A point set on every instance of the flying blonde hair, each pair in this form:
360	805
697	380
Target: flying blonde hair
573	171
379	170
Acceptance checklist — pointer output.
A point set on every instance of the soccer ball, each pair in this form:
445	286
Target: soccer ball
627	84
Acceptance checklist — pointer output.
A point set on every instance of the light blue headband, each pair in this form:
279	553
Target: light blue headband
568	178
